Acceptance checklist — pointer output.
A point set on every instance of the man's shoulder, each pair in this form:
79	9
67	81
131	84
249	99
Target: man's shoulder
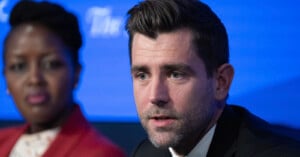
260	138
266	142
260	128
147	149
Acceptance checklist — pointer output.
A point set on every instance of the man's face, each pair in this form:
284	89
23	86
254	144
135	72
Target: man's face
39	73
175	98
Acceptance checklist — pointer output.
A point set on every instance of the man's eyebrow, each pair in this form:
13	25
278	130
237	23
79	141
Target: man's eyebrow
166	67
183	67
135	68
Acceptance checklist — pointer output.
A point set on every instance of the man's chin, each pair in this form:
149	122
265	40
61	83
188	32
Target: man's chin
162	143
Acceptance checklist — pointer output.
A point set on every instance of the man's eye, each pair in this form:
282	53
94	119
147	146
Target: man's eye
52	65
141	76
17	67
177	75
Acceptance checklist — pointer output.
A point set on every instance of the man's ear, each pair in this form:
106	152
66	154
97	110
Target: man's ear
77	75
224	76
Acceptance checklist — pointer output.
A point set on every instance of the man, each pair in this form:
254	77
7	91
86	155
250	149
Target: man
181	78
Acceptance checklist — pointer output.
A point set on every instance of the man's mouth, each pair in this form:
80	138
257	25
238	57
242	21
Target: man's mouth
162	121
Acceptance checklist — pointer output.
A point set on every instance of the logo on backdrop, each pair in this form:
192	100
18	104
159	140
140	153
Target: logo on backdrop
102	23
3	15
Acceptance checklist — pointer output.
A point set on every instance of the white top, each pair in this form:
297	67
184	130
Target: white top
34	145
201	149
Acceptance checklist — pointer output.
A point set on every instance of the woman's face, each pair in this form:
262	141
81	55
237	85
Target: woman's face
39	73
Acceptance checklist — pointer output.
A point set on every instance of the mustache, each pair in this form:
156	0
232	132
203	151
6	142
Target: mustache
159	112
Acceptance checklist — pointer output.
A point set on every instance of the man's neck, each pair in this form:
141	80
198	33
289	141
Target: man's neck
200	149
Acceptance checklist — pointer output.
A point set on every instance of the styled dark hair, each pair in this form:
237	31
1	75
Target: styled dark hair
52	16
210	40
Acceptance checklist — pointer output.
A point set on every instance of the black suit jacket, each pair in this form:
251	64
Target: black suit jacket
238	134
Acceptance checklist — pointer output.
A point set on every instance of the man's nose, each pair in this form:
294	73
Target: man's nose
159	92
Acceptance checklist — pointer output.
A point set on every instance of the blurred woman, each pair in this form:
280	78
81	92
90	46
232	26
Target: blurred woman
41	69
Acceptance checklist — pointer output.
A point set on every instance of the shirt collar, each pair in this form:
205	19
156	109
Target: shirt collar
201	149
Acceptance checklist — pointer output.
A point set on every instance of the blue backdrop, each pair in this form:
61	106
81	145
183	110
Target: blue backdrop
263	37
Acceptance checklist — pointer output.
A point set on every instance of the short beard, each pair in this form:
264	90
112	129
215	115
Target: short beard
166	143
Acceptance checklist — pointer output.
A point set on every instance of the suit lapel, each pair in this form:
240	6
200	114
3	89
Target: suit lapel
224	140
147	149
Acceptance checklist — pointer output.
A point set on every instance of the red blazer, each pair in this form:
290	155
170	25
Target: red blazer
77	138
